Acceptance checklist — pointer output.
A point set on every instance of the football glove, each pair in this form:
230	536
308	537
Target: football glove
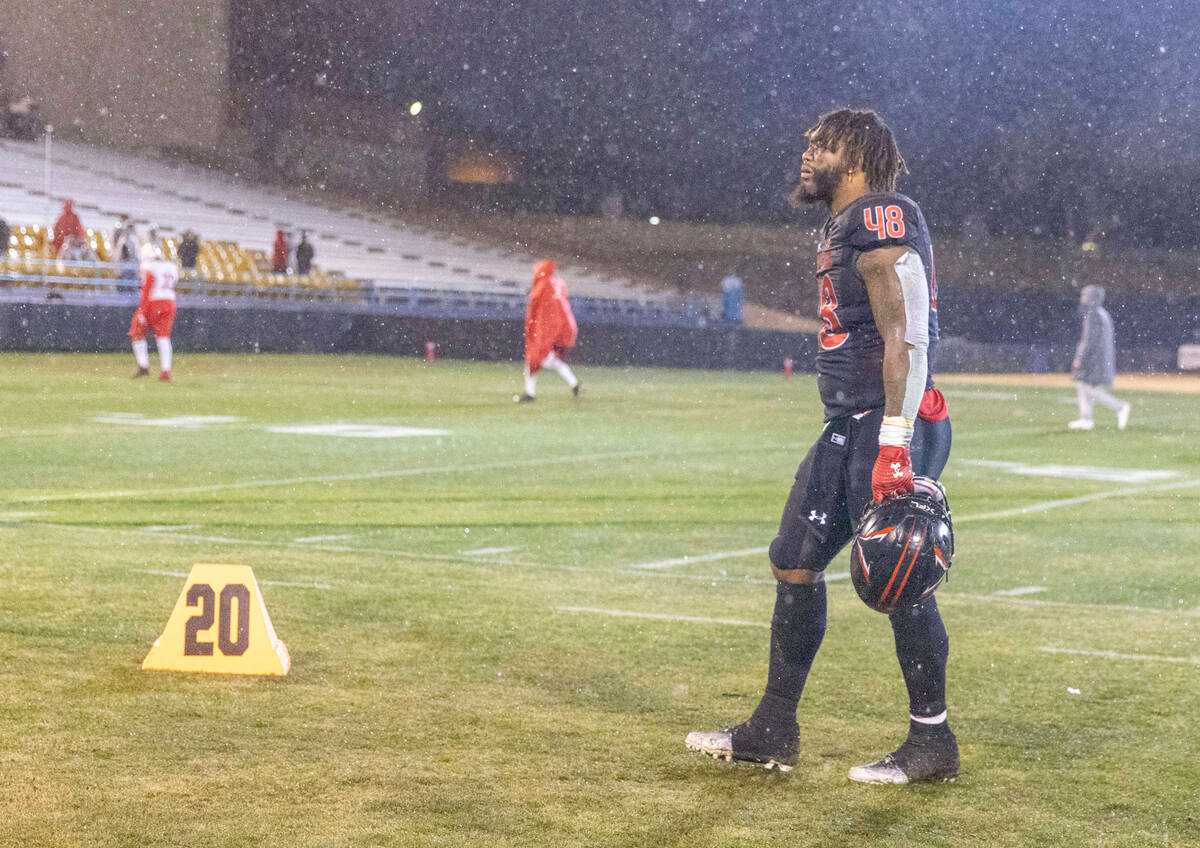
893	473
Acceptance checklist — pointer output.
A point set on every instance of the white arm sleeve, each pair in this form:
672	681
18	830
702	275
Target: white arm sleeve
915	289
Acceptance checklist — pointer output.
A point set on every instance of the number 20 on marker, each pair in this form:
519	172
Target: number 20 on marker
220	625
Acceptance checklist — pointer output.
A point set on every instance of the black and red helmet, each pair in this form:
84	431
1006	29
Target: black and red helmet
903	547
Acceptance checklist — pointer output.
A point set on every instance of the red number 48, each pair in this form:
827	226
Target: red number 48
884	221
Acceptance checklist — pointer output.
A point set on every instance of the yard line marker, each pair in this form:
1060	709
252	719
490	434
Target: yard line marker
304	540
685	560
160	528
339	478
1113	655
487	551
263	582
282	545
1034	602
695	619
1078	472
951	596
1021	590
1094	496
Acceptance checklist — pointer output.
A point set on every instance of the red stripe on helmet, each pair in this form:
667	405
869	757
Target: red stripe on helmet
911	563
899	565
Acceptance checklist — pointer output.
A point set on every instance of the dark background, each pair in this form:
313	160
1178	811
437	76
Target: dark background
1062	118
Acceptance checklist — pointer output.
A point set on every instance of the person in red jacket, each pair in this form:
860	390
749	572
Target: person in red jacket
67	225
550	329
279	257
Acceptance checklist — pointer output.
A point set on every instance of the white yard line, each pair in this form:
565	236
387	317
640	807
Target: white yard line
688	560
1113	655
339	478
1021	590
628	572
1094	496
997	598
488	551
694	619
1103	474
304	540
263	582
282	545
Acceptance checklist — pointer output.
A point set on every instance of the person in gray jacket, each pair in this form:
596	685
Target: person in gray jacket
1095	362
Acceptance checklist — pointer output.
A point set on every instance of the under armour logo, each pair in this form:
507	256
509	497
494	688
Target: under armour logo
820	519
896	472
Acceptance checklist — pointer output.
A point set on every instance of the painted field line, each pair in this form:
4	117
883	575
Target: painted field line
654	616
1067	605
1113	655
281	545
1094	496
687	560
626	572
365	475
304	540
1104	474
488	551
263	582
163	528
1021	590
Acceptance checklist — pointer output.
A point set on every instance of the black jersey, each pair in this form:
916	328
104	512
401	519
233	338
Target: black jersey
849	347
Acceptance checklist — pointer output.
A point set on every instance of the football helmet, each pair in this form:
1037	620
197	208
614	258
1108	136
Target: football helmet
903	547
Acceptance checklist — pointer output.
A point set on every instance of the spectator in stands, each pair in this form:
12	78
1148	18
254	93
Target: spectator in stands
304	254
550	329
68	224
279	258
5	238
189	249
125	248
76	249
1095	363
24	119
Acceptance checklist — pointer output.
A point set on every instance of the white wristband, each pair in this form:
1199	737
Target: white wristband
896	431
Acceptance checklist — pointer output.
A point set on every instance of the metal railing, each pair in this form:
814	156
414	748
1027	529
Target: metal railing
108	283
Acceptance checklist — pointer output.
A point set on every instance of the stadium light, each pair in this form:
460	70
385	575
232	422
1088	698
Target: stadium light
415	109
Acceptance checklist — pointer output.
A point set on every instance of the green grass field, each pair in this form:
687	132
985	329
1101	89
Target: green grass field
496	637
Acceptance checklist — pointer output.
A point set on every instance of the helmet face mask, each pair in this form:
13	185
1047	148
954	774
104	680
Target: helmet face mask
903	548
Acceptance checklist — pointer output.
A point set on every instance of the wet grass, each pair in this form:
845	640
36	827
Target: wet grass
460	676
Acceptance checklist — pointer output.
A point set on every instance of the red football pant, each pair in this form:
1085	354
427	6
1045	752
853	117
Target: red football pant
157	315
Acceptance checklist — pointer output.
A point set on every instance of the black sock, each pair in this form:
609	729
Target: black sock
797	628
922	648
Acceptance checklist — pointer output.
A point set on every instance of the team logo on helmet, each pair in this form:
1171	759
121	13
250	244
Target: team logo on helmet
903	548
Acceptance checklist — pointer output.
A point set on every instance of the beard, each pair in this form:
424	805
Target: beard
821	188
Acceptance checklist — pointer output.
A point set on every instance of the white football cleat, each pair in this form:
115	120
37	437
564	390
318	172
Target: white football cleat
1123	416
1081	424
926	755
717	745
884	771
765	749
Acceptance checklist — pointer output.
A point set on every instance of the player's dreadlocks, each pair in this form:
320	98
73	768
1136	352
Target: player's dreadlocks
867	141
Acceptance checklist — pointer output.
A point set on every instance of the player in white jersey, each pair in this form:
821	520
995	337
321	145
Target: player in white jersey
156	311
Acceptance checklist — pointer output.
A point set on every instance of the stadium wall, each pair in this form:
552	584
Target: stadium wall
54	327
95	329
150	74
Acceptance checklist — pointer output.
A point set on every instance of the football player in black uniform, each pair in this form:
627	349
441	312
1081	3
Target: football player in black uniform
878	307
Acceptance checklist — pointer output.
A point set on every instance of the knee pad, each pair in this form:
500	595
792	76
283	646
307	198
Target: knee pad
791	553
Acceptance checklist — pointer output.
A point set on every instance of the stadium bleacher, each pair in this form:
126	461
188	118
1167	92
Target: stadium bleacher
238	221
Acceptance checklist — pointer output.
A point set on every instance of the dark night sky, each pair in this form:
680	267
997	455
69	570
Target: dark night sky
1004	109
